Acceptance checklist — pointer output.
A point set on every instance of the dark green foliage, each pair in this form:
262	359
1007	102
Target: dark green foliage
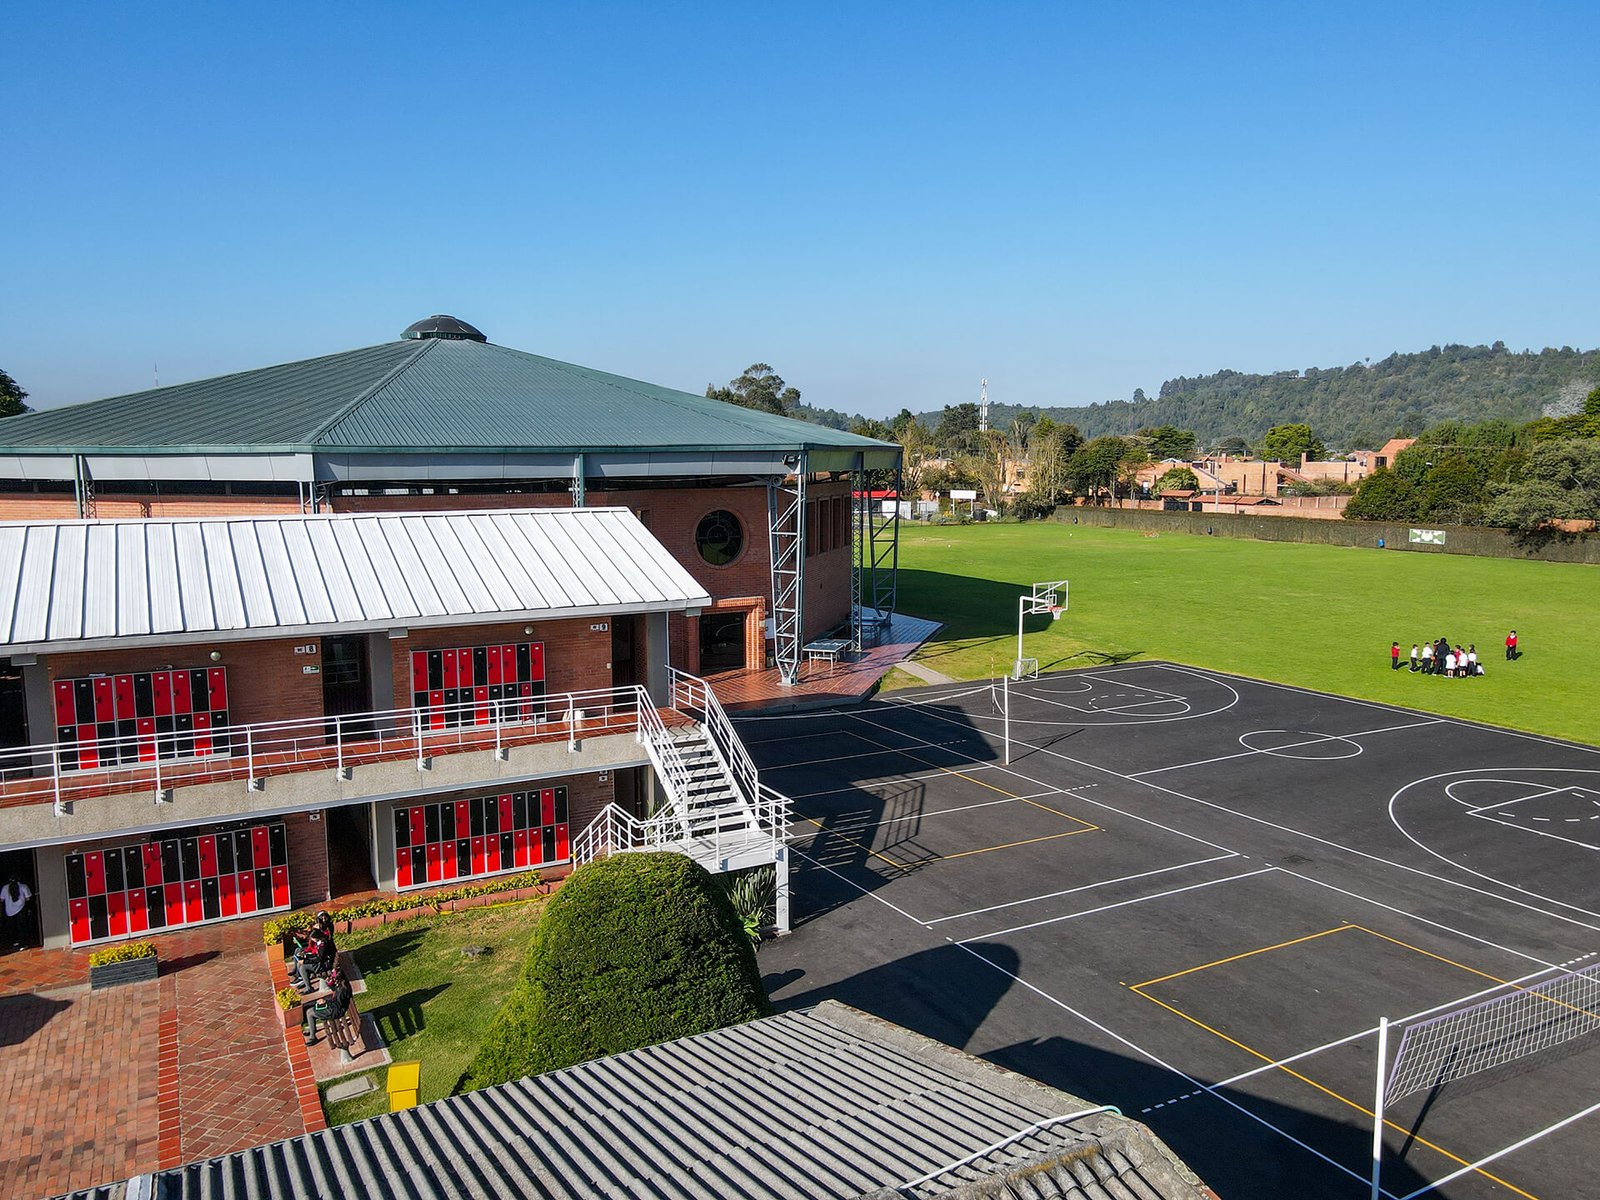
761	388
1168	441
1178	479
1559	481
11	397
1286	443
634	950
1096	465
1383	496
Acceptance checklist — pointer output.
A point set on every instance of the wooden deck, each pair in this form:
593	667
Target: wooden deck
822	684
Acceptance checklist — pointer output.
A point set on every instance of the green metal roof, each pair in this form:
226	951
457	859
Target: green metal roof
428	395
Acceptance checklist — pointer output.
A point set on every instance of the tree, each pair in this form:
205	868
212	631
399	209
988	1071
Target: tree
873	428
1383	496
1286	443
991	464
1236	446
760	388
1168	441
957	425
634	950
1096	465
11	397
1177	479
916	449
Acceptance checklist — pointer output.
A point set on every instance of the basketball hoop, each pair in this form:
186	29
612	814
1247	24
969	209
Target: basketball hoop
1055	612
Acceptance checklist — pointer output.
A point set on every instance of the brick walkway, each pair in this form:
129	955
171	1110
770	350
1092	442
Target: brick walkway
103	1085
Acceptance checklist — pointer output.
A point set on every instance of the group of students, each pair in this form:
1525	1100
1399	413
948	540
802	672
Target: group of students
1441	658
316	957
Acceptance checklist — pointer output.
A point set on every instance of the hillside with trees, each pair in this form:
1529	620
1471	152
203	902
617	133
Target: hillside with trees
1361	405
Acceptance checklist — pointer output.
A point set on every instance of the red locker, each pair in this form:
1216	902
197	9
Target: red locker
280	887
452	676
147	739
419	826
117	913
194	910
152	864
435	871
208	857
88	751
491	853
182	698
497	666
547	806
217	687
480	700
228	894
66	706
447	860
94	872
478	856
245	887
122	685
505	814
202	733
138	918
402	867
463	819
78	919
172	894
419	670
562	852
436	702
161	686
536	661
520	840
105	702
260	845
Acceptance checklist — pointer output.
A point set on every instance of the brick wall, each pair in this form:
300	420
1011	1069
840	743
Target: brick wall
308	858
63	506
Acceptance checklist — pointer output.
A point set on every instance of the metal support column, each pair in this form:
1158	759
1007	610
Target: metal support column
578	494
874	558
786	528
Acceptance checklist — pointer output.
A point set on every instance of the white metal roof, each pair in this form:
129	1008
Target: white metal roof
90	584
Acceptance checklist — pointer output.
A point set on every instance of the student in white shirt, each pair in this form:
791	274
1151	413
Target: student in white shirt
14	897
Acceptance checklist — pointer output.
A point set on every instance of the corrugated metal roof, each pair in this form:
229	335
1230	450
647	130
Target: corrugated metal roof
420	396
79	584
807	1105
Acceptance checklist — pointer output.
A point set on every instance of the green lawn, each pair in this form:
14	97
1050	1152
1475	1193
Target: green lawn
431	1003
1318	616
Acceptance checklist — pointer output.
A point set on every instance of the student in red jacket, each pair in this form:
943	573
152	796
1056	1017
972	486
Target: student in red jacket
1394	656
1511	645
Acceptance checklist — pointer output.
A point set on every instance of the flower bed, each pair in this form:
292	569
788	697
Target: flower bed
130	962
381	910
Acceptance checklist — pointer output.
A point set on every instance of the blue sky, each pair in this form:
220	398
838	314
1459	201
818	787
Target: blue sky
886	202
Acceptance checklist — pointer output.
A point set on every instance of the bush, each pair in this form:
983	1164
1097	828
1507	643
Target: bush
635	949
126	952
288	998
754	895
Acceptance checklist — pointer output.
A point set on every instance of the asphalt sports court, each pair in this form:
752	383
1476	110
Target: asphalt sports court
1193	896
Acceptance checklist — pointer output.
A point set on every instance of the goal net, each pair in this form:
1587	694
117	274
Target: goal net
1495	1032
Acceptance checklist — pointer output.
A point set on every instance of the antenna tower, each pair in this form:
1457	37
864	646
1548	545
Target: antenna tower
983	407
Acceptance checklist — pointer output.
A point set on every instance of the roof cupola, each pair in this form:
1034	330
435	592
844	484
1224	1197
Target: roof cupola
440	326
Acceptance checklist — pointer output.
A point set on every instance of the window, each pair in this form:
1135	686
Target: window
719	537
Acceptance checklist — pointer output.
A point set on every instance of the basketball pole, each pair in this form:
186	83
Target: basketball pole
1005	692
1377	1107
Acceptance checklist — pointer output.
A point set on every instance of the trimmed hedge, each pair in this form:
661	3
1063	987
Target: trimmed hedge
633	950
126	952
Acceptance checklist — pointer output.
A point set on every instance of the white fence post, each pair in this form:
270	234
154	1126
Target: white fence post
1377	1106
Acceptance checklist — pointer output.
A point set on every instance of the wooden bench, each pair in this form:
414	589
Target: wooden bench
345	1033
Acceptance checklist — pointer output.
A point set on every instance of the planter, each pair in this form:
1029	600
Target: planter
294	1016
131	970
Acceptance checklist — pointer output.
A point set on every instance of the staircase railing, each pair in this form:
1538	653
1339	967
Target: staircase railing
664	751
692	695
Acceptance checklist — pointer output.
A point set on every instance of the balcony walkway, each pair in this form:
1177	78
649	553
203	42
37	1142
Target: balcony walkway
822	684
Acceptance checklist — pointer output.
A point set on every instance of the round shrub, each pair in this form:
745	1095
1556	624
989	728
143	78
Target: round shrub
634	950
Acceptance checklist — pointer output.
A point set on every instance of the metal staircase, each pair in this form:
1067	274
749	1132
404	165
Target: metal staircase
715	808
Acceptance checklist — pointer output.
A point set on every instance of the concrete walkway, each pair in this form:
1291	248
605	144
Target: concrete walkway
927	674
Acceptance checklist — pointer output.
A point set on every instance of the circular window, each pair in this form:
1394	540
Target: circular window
719	537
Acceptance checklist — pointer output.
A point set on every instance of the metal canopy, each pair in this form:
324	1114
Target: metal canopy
72	585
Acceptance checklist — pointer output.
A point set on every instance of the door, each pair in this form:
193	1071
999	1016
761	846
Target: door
722	642
13	722
345	689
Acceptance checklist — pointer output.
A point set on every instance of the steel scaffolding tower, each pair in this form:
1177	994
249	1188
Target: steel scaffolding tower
786	527
874	559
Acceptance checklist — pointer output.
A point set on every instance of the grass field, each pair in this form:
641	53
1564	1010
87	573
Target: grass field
1318	616
431	1003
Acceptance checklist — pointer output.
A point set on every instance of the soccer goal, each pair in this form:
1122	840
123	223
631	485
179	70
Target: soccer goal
1458	1042
1050	597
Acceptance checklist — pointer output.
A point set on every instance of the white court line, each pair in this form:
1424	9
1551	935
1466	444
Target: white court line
833	758
1104	1029
1377	858
885	781
1089	912
939	812
1483	808
1498	1154
978	912
1122	708
1545	833
1314	741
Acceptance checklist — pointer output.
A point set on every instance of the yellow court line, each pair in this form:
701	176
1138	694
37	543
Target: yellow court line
858	845
1247	954
1049	837
1360	1108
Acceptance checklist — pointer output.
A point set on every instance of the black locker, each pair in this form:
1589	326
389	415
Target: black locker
243	857
419	864
210	899
185	742
524	663
480	666
77	883
133	859
99	923
67	738
435	670
447	823
171	862
199	692
115	880
508	850
155	907
105	731
402	827
164	729
491	814
280	845
225	854
191	859
464	857
476	804
519	810
144	696
263	888
127	740
549	844
430	823
83	700
561	806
